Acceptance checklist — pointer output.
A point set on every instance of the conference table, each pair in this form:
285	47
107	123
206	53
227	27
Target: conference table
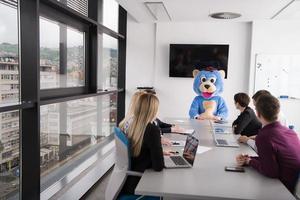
207	179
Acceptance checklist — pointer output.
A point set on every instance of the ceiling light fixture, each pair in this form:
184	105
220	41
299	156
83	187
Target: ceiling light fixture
158	11
225	15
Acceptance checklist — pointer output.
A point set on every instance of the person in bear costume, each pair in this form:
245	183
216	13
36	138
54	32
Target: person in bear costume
208	85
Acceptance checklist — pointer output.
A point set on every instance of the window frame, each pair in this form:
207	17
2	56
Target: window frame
32	97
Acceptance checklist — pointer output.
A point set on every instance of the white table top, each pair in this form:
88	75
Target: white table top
208	179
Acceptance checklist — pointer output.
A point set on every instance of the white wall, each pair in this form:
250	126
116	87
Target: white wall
277	37
176	94
139	56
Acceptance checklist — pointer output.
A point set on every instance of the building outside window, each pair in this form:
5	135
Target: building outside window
73	126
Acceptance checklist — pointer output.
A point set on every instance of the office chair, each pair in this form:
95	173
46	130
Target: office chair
122	170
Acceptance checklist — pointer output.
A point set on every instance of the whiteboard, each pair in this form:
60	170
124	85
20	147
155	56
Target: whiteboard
279	74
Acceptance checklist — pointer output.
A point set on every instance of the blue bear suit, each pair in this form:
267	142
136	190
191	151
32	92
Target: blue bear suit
203	82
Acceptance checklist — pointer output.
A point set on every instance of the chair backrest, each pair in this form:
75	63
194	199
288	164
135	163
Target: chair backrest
122	165
122	150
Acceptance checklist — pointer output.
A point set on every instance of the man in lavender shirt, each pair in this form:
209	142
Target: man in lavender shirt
278	147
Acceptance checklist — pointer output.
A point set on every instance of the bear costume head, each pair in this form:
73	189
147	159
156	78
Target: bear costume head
208	82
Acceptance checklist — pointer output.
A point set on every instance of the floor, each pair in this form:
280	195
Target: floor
97	191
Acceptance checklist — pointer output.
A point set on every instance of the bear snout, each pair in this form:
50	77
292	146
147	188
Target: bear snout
206	86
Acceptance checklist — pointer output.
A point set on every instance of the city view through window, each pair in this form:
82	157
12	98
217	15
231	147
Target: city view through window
61	55
67	129
70	128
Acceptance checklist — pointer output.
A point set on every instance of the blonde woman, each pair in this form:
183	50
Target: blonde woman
124	124
144	135
164	127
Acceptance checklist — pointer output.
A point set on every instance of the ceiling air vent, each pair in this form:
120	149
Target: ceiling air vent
225	15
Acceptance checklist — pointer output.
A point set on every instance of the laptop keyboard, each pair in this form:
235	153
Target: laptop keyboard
222	142
178	160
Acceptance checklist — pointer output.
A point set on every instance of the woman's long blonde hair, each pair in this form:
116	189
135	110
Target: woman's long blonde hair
130	111
144	112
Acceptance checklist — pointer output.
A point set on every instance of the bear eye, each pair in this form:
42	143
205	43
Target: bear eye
203	79
212	80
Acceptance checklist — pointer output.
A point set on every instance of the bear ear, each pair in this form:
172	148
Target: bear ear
195	72
222	72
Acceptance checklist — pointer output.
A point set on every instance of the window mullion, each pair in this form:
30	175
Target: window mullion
30	119
63	55
122	63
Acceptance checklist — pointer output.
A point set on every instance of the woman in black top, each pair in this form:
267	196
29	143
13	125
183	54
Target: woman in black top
144	136
247	123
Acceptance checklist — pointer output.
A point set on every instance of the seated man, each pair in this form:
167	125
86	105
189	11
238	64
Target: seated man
247	123
278	146
281	118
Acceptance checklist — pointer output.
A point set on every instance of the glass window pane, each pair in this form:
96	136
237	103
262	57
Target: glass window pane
49	54
9	155
62	61
75	58
69	130
111	14
9	56
108	62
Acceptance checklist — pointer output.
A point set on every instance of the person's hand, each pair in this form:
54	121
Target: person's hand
242	160
204	116
165	141
216	118
176	129
247	160
188	155
243	139
252	137
167	152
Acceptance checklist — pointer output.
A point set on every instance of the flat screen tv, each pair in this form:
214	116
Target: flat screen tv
184	58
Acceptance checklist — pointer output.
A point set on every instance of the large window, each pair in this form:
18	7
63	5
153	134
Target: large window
9	94
62	61
57	114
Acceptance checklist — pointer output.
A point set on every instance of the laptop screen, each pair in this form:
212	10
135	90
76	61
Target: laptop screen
190	149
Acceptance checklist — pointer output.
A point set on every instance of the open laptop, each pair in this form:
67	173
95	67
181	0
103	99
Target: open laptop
188	157
224	139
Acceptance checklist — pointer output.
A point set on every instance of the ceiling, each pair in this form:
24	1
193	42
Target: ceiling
199	10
